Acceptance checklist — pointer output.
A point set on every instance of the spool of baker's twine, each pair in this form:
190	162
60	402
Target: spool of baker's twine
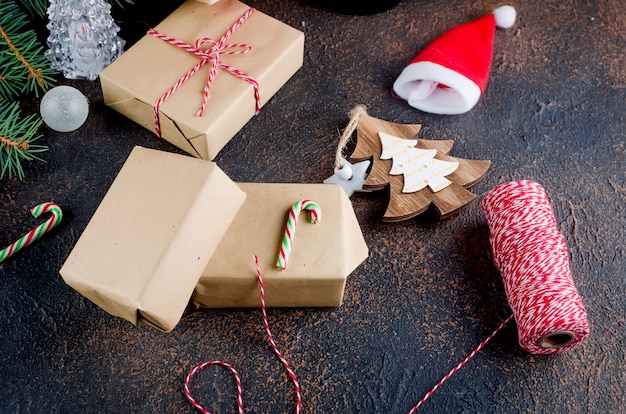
531	255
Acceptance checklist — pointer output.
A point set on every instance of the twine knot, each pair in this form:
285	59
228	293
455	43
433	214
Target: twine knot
211	55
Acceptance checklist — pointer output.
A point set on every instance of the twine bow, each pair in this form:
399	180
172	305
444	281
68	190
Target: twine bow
212	56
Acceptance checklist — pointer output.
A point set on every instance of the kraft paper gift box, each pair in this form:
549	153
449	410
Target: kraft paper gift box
149	240
137	80
323	254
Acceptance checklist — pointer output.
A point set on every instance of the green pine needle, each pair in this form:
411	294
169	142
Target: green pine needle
17	136
23	61
35	7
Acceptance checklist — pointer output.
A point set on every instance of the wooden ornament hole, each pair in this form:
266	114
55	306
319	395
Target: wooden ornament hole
556	339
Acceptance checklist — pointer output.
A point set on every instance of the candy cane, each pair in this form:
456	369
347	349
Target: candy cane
38	231
292	219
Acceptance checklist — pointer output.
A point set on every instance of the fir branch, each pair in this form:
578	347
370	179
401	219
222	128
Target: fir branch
17	136
35	7
10	80
26	64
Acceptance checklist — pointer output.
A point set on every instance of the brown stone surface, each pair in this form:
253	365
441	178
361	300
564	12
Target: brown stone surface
553	112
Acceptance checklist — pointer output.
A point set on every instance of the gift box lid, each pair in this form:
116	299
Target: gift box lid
152	235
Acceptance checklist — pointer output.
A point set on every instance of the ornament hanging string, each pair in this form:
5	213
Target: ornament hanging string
290	371
212	56
355	114
531	255
37	232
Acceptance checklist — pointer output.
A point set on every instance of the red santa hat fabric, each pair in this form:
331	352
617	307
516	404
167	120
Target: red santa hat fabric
451	73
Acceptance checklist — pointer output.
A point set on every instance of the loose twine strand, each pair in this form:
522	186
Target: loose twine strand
290	371
460	365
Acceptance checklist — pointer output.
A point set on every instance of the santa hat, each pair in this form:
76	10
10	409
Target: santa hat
451	73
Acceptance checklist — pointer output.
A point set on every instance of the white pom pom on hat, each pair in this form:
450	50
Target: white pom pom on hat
450	74
505	16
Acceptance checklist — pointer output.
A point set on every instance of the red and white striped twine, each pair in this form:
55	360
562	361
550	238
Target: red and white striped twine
288	368
531	255
460	365
211	55
290	371
206	364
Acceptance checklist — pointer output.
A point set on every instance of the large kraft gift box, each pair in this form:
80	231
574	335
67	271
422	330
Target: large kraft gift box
152	235
137	80
322	256
169	220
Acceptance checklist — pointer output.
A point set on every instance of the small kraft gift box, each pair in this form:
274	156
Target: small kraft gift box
171	225
202	73
323	254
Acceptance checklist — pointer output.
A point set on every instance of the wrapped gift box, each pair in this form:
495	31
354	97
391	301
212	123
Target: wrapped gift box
152	235
137	80
322	256
169	220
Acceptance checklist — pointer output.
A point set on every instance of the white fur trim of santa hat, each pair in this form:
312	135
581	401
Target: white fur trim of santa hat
419	84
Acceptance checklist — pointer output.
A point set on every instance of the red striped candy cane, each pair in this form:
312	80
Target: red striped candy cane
38	231
290	229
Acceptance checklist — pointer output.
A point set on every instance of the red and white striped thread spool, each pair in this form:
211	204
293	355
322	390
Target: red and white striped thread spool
531	255
212	55
288	368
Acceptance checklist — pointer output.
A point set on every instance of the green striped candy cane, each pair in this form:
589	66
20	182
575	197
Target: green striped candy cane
37	232
290	229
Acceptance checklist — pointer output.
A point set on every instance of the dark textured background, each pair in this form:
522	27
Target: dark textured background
553	112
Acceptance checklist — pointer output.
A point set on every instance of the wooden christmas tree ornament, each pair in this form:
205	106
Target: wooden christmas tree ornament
418	172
